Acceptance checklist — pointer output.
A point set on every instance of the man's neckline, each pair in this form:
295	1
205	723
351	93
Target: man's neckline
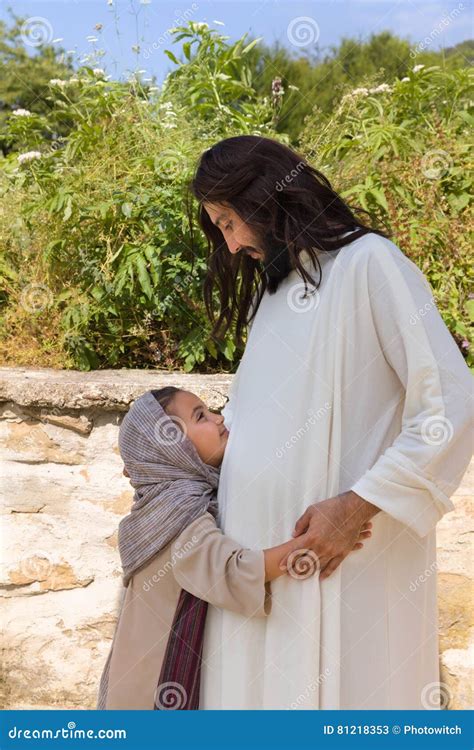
306	257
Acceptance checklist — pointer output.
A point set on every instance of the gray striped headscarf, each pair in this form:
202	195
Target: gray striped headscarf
173	486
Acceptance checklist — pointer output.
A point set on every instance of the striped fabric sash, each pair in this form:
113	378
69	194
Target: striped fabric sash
178	684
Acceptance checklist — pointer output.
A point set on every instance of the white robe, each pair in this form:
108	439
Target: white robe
359	386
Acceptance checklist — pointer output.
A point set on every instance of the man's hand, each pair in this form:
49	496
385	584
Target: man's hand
125	473
331	529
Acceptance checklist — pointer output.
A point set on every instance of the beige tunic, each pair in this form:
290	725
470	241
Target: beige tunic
206	563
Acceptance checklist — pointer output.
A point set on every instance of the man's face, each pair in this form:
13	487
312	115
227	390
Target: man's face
237	234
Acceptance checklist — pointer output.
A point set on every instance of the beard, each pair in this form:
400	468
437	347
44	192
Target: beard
276	261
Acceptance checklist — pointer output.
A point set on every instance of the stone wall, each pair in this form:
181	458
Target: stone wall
63	497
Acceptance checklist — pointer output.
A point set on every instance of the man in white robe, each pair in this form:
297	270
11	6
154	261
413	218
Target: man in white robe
357	391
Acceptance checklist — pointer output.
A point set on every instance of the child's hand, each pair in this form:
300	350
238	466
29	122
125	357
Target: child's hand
303	563
364	534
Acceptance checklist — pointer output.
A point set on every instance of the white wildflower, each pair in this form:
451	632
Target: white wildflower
417	68
405	79
99	72
62	83
21	112
379	89
352	95
29	156
201	25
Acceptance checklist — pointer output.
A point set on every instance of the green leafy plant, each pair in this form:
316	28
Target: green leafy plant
402	152
108	209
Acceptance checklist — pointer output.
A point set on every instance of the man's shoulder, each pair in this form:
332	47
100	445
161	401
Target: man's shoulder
378	257
370	245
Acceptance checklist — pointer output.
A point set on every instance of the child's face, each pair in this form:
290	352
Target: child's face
204	428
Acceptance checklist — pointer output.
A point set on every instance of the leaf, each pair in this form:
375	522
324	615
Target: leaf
251	45
97	293
229	350
464	115
379	196
458	202
143	277
189	363
103	209
171	56
470	309
127	209
211	348
68	209
187	50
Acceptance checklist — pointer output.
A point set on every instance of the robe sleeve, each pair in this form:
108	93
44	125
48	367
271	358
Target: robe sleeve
416	475
213	567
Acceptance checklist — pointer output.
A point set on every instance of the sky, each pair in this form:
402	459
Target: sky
302	27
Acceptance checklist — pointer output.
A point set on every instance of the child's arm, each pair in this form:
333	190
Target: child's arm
302	562
273	556
214	567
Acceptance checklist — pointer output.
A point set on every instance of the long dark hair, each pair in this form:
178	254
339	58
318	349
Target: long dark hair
291	207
